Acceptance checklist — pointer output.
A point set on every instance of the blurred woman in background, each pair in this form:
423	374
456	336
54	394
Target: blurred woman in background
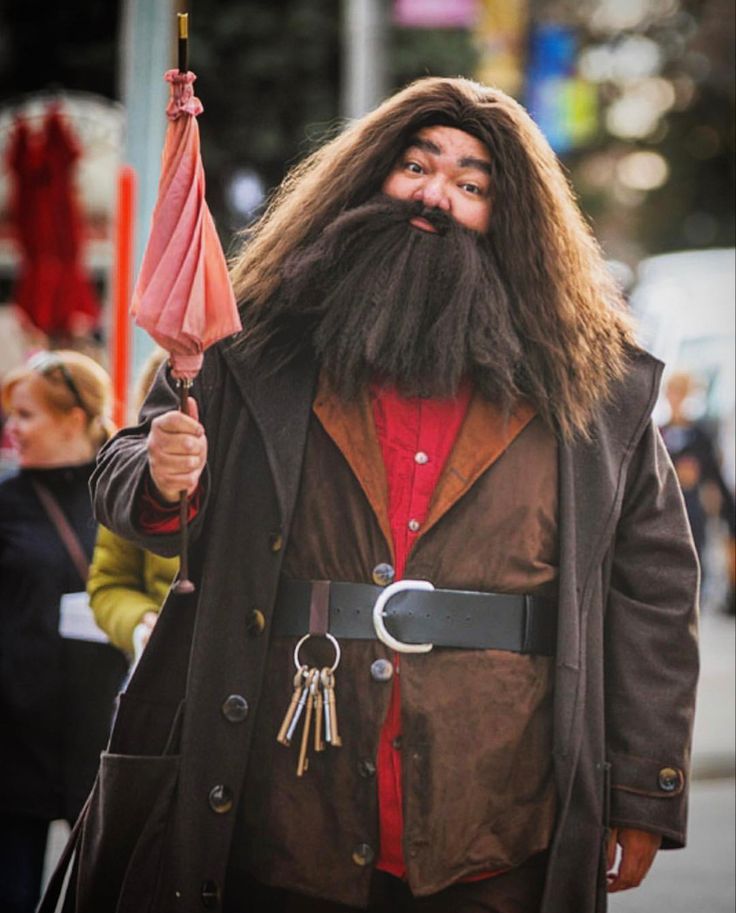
56	693
692	446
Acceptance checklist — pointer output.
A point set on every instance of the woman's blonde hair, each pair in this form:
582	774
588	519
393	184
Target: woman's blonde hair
65	380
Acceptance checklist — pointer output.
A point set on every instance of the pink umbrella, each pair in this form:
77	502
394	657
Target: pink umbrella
183	297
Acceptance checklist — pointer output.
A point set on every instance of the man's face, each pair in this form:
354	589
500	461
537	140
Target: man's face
446	169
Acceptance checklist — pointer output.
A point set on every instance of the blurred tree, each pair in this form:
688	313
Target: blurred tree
698	138
429	52
58	47
268	75
660	175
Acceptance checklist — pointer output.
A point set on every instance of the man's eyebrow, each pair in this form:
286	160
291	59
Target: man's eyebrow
471	162
425	144
468	162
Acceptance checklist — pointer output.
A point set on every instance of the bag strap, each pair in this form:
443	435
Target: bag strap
65	871
63	528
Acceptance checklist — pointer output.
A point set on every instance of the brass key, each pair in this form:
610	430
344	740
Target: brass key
319	742
295	708
327	678
326	704
303	763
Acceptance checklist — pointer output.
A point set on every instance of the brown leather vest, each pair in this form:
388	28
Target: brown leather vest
476	744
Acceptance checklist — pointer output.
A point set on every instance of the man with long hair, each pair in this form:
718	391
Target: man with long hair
441	655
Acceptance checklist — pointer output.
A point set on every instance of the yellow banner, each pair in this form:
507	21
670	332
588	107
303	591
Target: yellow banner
500	36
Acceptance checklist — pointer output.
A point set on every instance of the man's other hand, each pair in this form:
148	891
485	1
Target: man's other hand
638	849
177	452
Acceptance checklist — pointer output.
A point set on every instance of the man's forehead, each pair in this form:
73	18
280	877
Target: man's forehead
452	141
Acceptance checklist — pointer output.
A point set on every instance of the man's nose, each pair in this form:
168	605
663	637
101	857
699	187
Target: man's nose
433	194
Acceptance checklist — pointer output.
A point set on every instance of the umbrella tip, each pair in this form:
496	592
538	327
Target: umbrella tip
183	20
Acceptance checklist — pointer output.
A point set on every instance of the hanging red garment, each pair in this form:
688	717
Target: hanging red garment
52	286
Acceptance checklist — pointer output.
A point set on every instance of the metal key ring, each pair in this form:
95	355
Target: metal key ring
329	637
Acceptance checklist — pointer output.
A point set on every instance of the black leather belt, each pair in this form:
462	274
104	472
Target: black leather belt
445	618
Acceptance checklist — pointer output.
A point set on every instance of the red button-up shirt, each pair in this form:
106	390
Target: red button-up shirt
416	437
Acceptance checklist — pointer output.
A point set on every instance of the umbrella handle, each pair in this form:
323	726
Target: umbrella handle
184	584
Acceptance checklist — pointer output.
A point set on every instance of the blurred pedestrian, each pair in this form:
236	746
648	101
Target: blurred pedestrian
695	457
127	584
56	693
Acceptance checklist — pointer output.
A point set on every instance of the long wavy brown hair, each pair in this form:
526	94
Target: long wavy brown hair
567	307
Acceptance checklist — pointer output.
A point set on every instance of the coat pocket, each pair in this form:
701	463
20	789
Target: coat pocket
122	841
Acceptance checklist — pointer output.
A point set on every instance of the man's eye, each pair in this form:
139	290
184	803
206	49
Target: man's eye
414	167
472	188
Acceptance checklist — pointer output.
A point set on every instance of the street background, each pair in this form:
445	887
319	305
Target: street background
637	98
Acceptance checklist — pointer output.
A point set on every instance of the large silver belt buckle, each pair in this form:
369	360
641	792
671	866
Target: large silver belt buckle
378	614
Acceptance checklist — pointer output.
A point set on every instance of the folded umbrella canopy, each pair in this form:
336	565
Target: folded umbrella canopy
183	297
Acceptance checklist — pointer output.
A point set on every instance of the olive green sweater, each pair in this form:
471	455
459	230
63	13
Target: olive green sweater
124	583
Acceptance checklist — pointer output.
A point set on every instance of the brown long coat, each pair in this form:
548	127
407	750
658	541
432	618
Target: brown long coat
162	816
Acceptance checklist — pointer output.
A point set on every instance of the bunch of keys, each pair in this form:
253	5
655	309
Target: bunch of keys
314	699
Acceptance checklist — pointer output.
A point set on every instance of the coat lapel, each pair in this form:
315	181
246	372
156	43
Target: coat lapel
484	436
353	431
280	402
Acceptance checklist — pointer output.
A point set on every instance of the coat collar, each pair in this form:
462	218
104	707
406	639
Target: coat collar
280	402
592	477
353	431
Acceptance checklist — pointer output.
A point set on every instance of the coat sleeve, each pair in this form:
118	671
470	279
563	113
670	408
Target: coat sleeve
651	650
122	466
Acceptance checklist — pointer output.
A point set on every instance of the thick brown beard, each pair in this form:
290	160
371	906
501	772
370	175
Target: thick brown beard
379	299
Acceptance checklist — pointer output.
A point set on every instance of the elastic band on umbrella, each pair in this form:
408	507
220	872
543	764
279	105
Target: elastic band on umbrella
183	100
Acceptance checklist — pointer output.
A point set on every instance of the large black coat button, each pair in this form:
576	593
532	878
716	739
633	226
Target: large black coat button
668	779
220	799
363	854
210	895
383	574
381	670
235	708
